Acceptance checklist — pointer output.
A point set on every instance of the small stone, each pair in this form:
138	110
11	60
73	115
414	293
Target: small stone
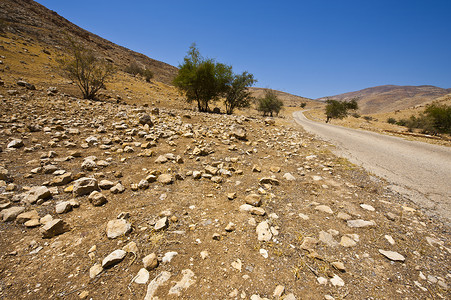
17	143
204	254
389	239
113	258
95	270
367	207
32	223
360	223
321	280
186	281
106	184
161	224
155	283
343	216
131	247
327	239
252	209
83	295
264	253
143	184
269	180
142	277
216	236
238	132
237	264
339	266
37	193
263	231
278	291
84	186
63	207
165	179
346	241
168	256
309	243
53	228
150	261
337	281
145	119
97	198
289	177
88	165
118	227
324	208
117	189
45	219
231	196
11	213
253	199
392	255
61	179
230	227
27	216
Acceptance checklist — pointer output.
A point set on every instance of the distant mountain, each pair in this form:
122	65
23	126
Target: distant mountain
387	98
30	20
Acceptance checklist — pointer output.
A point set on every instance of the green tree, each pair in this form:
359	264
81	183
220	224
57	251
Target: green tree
269	104
440	116
339	109
89	72
202	80
238	94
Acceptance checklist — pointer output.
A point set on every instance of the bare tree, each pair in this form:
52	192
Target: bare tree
87	70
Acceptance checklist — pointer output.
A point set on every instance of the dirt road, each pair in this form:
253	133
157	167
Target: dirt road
420	171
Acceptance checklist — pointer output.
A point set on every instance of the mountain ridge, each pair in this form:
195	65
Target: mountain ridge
386	98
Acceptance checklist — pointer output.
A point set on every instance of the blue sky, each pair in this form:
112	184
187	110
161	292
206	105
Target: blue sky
309	48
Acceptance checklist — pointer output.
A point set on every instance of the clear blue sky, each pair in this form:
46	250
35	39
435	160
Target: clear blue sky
309	48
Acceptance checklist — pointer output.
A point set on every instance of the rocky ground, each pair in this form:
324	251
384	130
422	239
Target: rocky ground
113	201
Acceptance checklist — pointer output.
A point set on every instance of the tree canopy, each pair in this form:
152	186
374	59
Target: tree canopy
238	94
202	80
269	104
339	109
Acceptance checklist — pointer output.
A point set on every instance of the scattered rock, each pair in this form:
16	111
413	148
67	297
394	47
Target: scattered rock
253	199
263	231
11	213
97	198
84	186
113	258
184	283
392	255
142	277
118	227
15	144
53	228
150	261
161	224
360	223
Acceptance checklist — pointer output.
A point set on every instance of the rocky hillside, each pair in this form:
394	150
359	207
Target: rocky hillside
114	201
289	100
37	24
390	98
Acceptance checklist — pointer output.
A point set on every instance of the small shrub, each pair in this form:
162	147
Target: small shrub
368	118
391	120
135	69
356	115
303	104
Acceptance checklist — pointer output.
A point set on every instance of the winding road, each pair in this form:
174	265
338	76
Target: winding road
420	171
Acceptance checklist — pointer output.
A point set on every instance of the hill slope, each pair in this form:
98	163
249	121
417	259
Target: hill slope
30	20
387	98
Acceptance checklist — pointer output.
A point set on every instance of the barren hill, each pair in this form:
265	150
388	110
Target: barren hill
34	22
288	99
387	98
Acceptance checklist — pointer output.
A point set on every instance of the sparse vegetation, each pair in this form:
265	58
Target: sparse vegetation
391	120
435	119
205	80
238	95
339	109
202	80
269	104
303	104
135	69
89	72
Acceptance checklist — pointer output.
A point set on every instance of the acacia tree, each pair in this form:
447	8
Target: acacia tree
339	109
202	80
238	94
269	104
87	70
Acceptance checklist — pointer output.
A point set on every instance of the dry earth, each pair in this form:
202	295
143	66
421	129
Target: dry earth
304	235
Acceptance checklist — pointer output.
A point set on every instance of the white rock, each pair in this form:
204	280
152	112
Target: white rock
324	208
168	256
263	231
183	284
337	281
155	283
264	253
367	207
142	277
389	239
392	255
113	258
289	177
360	223
118	227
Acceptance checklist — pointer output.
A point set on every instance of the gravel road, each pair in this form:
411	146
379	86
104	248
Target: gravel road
420	171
